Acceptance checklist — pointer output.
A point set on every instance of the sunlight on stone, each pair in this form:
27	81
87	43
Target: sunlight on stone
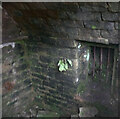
77	79
87	55
79	45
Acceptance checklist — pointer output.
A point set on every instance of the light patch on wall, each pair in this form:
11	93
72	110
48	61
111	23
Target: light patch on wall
86	56
7	44
14	71
79	45
77	79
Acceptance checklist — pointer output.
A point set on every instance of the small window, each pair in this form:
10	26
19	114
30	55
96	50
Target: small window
97	62
101	63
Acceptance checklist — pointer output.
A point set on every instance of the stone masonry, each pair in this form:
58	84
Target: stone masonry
32	84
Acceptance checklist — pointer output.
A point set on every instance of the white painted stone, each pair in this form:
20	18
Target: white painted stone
7	44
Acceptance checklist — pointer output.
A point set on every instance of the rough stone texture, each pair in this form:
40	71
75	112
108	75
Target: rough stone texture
113	7
108	16
66	20
16	84
9	27
31	80
117	25
100	25
88	111
32	84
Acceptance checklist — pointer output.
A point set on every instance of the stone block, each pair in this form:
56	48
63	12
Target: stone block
72	23
46	59
54	22
117	25
66	43
88	34
22	74
27	81
109	34
84	16
53	6
99	4
39	76
62	15
70	6
21	67
99	25
63	77
113	6
108	16
87	111
64	53
72	33
36	69
73	54
88	8
37	6
48	40
59	42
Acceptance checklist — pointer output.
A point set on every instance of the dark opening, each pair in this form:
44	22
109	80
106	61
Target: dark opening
101	63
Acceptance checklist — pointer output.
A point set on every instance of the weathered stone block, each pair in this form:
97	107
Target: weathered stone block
98	4
61	43
107	16
72	23
54	22
113	6
69	6
37	6
46	59
64	77
88	34
64	53
22	74
109	34
52	52
84	16
87	111
27	81
117	25
36	69
37	75
21	67
88	8
48	40
73	54
68	43
72	33
99	25
62	15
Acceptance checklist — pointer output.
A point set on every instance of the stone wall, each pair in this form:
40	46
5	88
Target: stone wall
95	22
16	90
31	80
32	83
